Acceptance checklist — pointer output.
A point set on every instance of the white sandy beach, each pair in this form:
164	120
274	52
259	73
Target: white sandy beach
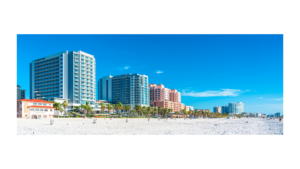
115	126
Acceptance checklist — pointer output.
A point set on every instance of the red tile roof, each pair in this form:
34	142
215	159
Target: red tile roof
46	107
34	100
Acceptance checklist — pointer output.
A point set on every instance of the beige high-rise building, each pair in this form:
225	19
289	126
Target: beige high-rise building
217	109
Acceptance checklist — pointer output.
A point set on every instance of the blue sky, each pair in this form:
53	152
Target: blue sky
209	70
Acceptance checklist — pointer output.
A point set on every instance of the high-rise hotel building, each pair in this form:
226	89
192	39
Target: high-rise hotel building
236	108
129	89
105	88
20	93
66	75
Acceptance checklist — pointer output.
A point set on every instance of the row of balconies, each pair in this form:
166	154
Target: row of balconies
46	62
48	69
45	66
46	86
46	72
49	82
47	79
49	89
48	94
47	76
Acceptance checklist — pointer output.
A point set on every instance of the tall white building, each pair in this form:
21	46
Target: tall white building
64	75
236	108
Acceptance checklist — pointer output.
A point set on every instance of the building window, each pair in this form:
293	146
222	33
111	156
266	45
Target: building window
31	109
44	104
36	109
40	104
34	103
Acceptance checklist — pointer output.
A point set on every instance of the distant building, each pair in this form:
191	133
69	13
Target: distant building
225	109
236	108
181	106
252	114
202	110
188	108
20	93
277	114
258	114
105	88
217	109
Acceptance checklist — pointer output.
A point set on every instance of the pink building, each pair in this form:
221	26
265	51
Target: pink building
175	96
159	92
164	97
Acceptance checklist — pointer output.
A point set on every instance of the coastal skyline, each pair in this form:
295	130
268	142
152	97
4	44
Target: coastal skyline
209	70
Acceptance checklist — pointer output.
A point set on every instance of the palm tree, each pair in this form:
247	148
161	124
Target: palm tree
122	107
118	107
160	110
155	109
138	108
82	107
61	110
149	110
191	113
56	106
87	105
109	107
114	107
89	109
164	112
176	112
65	104
184	112
127	108
169	111
102	105
76	108
132	111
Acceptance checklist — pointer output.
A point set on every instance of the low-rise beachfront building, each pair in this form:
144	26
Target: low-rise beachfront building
202	110
34	108
98	107
188	108
181	106
175	106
